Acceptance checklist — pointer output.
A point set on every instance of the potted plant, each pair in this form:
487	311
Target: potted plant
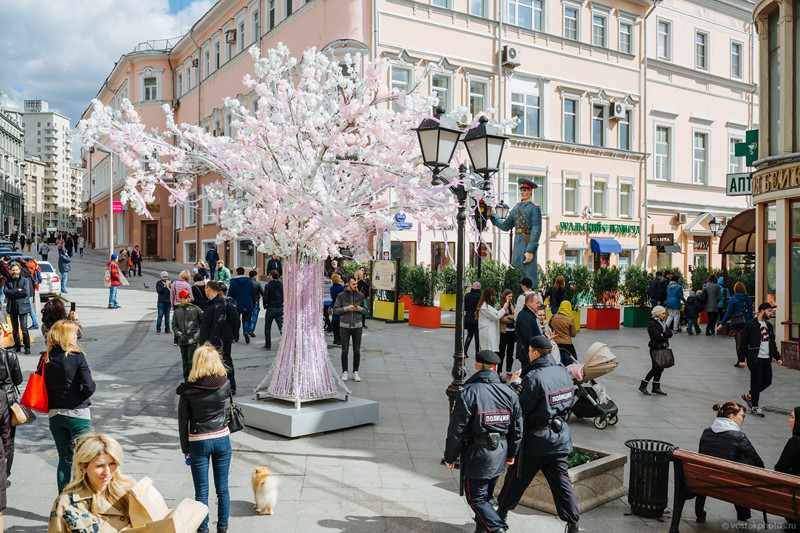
421	286
634	292
604	314
493	274
448	286
596	476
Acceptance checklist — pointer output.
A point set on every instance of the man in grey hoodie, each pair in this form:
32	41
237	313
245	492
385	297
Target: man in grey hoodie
349	305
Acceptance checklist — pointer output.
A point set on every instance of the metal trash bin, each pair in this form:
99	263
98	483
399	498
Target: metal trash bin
649	477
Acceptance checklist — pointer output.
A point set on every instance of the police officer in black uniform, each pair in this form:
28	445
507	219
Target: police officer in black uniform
486	429
546	394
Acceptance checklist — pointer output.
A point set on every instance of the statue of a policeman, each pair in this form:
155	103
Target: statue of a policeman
526	218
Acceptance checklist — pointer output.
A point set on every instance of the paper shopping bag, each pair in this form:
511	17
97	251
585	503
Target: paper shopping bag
145	503
186	518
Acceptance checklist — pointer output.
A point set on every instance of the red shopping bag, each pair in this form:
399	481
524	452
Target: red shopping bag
35	395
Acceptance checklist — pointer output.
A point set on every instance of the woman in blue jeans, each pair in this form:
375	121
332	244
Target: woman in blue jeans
204	435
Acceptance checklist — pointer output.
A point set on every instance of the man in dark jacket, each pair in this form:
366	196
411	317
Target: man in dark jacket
350	308
163	303
527	326
471	300
244	294
759	348
653	290
275	264
546	395
662	289
211	259
258	291
486	425
136	259
18	307
220	320
64	268
273	308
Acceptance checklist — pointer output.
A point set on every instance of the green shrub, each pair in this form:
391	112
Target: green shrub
675	275
700	276
448	280
512	279
605	286
637	283
350	267
578	281
421	284
744	274
493	274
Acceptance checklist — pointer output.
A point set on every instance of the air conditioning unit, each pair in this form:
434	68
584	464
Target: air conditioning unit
230	36
511	56
618	110
682	218
195	62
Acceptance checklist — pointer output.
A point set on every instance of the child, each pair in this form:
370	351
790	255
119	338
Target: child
186	325
692	309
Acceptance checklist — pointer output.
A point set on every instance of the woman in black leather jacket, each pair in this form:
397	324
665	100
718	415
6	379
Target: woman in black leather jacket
203	432
659	338
725	439
10	379
789	461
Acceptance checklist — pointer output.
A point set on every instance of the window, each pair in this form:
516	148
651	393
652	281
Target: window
400	80
271	14
571	196
664	40
188	76
150	89
573	257
598	125
245	254
180	84
663	170
625	200
440	86
440	3
736	60
209	216
700	158
599	34
526	108
217	58
228	51
735	164
526	13
206	63
477	8
538	195
197	71
624	127
571	23
774	80
701	50
289	8
228	125
190	210
626	37
240	37
570	120
189	252
477	97
626	260
256	25
599	190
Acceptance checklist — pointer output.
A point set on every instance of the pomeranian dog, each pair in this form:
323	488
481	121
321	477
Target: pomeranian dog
265	490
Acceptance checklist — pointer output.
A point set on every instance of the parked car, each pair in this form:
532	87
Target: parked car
51	281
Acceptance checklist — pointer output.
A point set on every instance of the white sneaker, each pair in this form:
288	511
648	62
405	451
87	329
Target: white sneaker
356	377
344	376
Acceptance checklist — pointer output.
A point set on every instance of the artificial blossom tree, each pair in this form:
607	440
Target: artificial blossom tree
326	160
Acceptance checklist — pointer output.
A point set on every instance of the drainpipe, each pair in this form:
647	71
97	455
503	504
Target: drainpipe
197	180
375	20
500	4
644	134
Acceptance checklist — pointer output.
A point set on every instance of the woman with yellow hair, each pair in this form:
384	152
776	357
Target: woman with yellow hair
69	386
95	500
563	324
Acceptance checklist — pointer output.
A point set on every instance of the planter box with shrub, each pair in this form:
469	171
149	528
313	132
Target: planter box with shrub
421	285
634	292
605	287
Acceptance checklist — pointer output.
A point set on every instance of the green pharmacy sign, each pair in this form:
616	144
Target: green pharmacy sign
749	148
598	227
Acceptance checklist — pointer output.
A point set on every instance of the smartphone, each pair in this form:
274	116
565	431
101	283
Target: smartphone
72	307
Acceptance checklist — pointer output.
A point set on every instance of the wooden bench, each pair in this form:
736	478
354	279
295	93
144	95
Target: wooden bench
757	488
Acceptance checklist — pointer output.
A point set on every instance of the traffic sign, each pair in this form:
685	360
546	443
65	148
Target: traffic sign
740	184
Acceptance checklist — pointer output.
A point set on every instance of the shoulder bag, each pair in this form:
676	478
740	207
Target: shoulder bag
663	358
35	395
738	321
20	415
234	418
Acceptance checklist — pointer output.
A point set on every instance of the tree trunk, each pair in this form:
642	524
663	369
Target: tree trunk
302	369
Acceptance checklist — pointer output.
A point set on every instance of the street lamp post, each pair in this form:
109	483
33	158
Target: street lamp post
438	143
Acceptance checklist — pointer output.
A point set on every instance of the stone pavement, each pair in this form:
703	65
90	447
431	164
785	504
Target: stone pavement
384	477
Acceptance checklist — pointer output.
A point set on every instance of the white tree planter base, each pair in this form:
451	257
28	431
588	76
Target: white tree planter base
290	419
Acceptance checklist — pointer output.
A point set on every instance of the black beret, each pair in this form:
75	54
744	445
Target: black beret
487	357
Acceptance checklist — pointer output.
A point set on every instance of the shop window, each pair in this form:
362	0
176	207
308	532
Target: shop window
189	252
245	254
700	260
770	259
573	257
439	255
626	258
601	260
663	260
794	282
406	251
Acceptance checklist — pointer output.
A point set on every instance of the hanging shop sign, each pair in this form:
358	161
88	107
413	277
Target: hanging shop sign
662	239
597	227
739	184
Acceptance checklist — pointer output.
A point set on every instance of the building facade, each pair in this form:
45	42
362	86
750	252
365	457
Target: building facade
776	180
572	73
48	137
35	172
12	165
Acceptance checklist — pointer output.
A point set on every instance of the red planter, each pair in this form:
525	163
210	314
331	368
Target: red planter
602	318
425	317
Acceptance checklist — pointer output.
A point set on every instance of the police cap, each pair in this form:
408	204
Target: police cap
487	357
527	184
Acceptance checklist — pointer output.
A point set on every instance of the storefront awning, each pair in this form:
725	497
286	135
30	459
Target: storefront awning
671	249
739	236
605	246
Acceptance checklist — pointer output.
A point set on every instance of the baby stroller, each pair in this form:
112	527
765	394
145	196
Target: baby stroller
591	400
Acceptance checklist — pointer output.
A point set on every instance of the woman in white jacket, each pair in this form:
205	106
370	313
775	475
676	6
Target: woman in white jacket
489	320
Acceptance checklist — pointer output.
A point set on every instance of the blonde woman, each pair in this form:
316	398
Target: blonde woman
69	386
203	432
182	283
95	500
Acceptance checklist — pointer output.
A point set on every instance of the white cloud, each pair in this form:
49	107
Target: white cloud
62	51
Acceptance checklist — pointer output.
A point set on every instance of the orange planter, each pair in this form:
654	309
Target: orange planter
425	317
406	300
602	318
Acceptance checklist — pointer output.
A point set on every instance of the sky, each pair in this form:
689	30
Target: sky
61	51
